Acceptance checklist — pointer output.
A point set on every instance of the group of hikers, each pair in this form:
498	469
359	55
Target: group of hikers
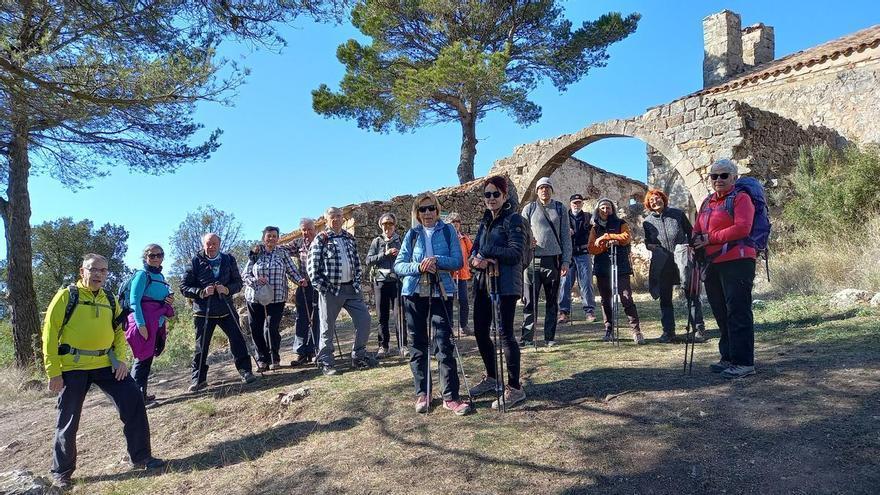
515	254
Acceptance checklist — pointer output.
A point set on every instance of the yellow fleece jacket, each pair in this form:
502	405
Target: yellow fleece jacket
90	328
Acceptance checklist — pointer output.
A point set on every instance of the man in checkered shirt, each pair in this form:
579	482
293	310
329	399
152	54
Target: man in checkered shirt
335	271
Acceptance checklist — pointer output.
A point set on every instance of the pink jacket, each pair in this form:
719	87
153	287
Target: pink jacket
153	310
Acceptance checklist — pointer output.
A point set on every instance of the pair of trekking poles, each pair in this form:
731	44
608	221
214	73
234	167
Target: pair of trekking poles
203	348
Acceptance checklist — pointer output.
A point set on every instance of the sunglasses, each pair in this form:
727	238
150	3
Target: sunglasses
426	209
723	176
492	194
153	256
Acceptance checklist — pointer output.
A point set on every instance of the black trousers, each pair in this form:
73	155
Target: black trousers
267	338
204	331
729	290
418	313
667	281
386	297
547	275
483	315
140	371
129	402
306	305
626	300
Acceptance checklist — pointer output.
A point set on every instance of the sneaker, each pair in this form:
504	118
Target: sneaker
403	351
526	343
638	338
328	370
150	397
150	404
301	359
381	353
458	407
591	317
719	366
609	337
261	367
563	318
466	331
422	404
248	377
275	366
486	385
62	482
551	343
666	338
738	371
700	336
363	363
149	463
512	397
195	387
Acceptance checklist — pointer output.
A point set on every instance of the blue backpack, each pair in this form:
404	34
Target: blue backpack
759	236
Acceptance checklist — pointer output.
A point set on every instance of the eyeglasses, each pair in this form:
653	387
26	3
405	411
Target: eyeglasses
388	224
426	209
492	194
723	176
97	270
153	256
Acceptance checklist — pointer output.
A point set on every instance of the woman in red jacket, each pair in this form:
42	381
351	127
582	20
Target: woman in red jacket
731	271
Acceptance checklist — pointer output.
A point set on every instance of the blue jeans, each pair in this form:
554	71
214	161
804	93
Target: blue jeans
581	270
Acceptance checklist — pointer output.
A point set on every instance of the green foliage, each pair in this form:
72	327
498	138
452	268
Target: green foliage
835	192
59	246
434	61
186	241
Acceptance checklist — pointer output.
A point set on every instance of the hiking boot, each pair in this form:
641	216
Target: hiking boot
149	463
738	371
551	343
404	352
458	407
422	404
563	318
638	338
328	370
512	397
63	482
150	404
719	366
149	397
262	367
363	363
666	338
591	317
609	336
465	330
700	336
526	343
275	366
381	353
486	385
195	387
247	377
301	359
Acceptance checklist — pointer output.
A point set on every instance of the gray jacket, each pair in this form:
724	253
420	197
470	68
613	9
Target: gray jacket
550	244
667	235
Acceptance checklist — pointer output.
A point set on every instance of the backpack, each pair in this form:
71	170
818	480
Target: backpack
528	252
125	291
73	300
759	236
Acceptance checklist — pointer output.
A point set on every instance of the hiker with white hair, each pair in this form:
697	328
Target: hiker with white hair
720	235
305	339
210	281
335	270
548	219
386	284
83	344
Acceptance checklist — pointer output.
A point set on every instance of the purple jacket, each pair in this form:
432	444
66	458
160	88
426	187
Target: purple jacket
146	348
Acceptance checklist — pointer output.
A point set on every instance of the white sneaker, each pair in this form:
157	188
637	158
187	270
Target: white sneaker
738	371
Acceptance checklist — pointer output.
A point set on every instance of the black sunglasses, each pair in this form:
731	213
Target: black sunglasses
723	176
492	194
153	256
426	209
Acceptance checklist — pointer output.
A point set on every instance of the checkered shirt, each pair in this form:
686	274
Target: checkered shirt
325	261
275	266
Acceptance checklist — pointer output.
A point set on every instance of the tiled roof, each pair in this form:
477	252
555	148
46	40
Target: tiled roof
845	46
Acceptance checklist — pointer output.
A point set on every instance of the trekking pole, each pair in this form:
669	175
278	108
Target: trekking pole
454	299
430	339
310	312
443	297
534	306
204	345
696	290
241	332
266	333
401	321
492	273
615	297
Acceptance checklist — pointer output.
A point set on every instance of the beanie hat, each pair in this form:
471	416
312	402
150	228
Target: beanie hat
544	181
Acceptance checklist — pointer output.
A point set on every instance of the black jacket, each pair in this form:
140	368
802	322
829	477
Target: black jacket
503	239
580	224
602	262
663	232
199	275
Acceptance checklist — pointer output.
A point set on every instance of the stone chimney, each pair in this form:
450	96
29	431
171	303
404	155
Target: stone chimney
722	47
758	45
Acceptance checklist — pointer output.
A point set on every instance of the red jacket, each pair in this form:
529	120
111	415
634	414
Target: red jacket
723	230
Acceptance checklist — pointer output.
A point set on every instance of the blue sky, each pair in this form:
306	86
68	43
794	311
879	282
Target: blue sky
279	161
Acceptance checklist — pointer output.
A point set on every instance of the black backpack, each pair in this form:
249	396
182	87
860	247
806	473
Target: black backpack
73	300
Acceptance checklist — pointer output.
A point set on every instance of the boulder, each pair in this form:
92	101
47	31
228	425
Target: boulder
20	482
875	301
847	298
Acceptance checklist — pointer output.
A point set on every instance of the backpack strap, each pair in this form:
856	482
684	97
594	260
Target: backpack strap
72	301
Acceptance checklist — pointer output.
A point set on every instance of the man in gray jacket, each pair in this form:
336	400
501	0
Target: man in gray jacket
549	221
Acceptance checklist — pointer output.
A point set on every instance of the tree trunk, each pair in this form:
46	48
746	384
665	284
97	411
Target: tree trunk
468	148
16	212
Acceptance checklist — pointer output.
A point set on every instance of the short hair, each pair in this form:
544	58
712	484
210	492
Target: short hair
150	247
453	217
305	221
385	215
655	192
271	228
210	235
415	207
93	257
331	211
727	165
498	181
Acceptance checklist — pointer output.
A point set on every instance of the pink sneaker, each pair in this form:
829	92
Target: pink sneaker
422	404
458	407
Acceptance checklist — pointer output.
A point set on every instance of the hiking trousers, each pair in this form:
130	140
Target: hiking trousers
140	372
419	310
330	306
626	300
204	331
729	290
306	321
581	271
547	275
483	316
129	402
385	294
265	321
